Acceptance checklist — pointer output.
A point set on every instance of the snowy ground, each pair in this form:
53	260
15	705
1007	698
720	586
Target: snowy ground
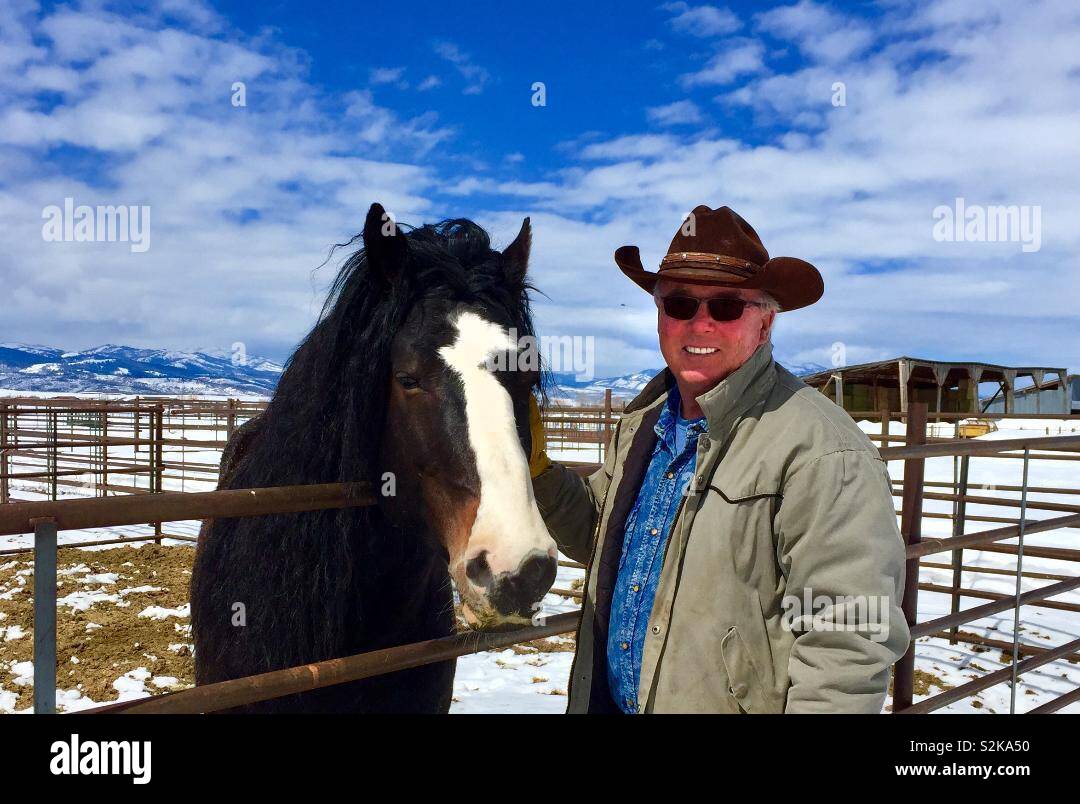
529	680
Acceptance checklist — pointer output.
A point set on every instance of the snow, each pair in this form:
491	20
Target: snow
159	613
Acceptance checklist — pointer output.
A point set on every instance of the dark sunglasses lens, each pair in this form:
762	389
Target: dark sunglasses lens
681	308
726	309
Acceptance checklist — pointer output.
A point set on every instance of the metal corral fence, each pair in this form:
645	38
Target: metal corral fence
154	444
46	518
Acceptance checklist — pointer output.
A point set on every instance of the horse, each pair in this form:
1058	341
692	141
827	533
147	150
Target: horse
413	380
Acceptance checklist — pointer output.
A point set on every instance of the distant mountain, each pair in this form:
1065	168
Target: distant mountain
802	369
624	387
126	370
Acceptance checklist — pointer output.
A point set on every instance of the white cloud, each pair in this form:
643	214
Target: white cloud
476	77
740	57
684	112
388	75
818	31
702	21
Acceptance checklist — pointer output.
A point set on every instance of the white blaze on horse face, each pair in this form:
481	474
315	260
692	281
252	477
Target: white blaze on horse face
508	524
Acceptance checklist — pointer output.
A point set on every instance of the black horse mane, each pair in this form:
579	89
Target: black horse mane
324	424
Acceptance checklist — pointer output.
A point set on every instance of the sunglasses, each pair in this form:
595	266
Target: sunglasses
721	308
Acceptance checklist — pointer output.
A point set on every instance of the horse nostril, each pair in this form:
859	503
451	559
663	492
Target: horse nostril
537	573
478	571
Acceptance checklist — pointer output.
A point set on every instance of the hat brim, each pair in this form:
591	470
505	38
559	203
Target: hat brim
794	283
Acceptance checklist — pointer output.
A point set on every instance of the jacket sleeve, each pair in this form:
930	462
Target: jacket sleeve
570	504
839	546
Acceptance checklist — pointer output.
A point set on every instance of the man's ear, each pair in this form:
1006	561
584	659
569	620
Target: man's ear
768	321
384	244
516	255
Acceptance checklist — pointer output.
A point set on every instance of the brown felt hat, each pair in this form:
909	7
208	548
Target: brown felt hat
717	247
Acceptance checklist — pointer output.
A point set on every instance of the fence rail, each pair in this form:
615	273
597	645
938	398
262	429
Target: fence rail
46	518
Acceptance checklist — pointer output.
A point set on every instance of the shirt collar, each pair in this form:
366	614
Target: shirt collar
665	425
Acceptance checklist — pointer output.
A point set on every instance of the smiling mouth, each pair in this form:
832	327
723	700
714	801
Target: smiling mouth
700	350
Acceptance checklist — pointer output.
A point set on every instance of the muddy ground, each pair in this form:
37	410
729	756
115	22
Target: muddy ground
118	610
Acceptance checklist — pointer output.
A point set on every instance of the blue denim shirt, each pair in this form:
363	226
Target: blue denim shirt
647	529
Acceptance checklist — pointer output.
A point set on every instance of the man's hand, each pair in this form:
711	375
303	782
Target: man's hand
538	459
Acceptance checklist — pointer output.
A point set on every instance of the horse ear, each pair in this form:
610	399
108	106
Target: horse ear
384	243
516	255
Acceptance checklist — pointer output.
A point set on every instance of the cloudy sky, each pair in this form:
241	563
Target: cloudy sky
835	129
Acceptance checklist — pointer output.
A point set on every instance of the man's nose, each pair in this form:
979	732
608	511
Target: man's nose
702	320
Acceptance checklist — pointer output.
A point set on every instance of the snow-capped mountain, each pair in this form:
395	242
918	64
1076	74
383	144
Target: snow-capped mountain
126	370
114	369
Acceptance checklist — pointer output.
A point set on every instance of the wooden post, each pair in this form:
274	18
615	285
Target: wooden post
911	530
886	421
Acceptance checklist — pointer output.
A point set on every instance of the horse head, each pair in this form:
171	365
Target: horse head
455	445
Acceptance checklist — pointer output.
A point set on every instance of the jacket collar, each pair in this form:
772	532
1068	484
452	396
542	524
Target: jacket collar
733	395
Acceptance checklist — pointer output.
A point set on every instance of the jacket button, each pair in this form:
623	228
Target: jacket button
656	629
704	442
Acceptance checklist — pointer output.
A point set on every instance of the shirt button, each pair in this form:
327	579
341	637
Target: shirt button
654	531
636	588
625	646
670	475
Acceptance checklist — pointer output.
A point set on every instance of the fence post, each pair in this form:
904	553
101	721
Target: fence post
159	433
959	515
1019	583
911	530
44	616
105	452
3	454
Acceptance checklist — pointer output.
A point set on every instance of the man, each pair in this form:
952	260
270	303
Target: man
741	539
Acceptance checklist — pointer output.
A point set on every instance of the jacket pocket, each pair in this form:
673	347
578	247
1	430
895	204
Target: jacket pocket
743	677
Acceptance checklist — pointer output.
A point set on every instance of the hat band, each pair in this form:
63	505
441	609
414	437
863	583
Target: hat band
700	259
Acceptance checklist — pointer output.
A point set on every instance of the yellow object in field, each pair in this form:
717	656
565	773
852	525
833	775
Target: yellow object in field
975	428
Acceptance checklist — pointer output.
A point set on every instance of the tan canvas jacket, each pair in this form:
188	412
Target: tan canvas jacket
790	501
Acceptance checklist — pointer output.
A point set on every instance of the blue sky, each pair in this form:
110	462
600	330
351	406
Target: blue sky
652	109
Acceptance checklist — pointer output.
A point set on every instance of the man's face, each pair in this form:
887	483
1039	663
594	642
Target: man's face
701	352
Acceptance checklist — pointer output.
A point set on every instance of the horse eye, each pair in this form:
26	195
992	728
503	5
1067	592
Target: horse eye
407	382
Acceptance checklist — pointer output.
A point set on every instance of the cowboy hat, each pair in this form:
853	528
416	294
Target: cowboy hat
717	247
